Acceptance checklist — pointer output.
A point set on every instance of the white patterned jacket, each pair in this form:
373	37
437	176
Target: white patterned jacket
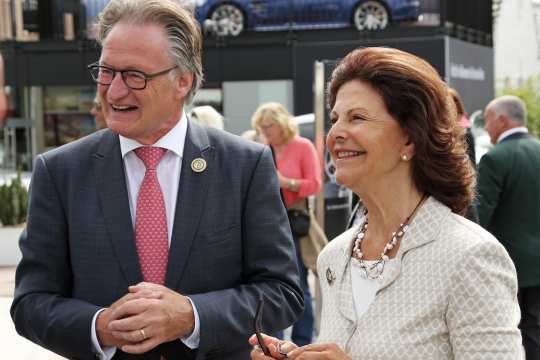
451	296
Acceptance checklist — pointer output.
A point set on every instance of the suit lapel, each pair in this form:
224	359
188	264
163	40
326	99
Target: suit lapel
113	198
190	201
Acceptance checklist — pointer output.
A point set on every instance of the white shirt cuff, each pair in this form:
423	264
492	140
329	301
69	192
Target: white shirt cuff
192	341
106	353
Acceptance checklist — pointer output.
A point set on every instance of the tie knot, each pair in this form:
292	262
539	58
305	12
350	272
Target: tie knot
150	155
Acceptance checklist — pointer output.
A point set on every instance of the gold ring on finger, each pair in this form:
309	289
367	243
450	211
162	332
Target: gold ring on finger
143	334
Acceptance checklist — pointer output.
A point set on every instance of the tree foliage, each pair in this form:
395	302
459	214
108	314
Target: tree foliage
529	92
13	202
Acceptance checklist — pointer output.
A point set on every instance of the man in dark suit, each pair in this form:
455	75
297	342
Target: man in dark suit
156	237
509	204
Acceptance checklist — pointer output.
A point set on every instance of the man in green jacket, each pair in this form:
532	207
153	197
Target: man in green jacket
509	204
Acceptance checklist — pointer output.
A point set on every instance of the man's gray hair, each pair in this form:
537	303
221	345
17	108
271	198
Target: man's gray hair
511	106
182	29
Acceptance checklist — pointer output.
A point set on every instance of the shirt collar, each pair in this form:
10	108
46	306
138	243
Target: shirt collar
174	140
507	133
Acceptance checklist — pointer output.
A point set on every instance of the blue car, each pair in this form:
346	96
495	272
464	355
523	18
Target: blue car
232	17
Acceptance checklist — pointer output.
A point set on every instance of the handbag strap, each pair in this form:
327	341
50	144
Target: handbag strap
275	164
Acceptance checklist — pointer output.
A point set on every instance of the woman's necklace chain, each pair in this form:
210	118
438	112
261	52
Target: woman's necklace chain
374	270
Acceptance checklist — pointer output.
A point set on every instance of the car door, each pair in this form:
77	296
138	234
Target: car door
267	14
318	13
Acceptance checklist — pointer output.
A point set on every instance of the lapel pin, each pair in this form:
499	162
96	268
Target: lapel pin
198	165
330	277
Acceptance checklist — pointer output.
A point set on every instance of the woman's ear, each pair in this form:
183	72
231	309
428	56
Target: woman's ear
408	149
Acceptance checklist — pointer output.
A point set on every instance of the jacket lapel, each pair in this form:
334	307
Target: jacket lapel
113	198
423	229
345	297
190	201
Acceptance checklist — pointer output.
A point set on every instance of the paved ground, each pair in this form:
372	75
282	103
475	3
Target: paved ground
13	345
7	281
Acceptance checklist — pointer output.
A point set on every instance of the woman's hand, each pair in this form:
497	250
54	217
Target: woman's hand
278	348
288	184
318	352
283	181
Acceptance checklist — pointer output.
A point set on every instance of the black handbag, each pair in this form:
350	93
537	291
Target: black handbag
299	221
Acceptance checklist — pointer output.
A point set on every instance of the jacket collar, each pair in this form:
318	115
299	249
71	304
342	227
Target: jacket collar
422	230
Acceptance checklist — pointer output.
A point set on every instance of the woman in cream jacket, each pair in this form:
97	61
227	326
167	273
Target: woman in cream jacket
414	279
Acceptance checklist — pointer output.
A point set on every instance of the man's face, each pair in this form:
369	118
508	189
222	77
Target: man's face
493	124
143	115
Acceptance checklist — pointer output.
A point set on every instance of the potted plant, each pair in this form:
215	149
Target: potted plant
13	207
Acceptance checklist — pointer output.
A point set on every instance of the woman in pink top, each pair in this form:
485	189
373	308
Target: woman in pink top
299	173
3	101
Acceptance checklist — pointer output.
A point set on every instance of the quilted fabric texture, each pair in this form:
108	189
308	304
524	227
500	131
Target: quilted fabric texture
451	296
151	221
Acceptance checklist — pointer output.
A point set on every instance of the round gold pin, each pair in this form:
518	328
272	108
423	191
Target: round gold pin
198	165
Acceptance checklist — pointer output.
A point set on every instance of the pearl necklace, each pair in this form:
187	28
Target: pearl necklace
374	270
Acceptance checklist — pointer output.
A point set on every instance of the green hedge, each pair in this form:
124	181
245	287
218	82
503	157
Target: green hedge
529	92
13	202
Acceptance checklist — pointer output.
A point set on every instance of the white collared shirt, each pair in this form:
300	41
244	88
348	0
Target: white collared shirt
168	172
507	133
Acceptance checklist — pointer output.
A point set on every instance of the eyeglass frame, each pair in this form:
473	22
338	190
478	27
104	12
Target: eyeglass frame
122	72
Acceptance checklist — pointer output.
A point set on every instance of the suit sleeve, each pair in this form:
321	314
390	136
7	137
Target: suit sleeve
490	186
483	313
268	265
42	309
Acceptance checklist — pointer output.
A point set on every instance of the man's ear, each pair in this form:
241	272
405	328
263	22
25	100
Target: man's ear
183	83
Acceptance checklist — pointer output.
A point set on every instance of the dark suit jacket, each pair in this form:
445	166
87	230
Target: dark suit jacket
231	243
509	201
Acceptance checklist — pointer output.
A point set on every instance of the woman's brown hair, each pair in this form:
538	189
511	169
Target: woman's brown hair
418	99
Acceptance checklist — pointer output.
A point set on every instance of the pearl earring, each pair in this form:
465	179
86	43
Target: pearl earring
404	157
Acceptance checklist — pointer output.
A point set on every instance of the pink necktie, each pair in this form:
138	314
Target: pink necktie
151	220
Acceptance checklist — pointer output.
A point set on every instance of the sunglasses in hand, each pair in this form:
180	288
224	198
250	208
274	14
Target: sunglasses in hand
258	327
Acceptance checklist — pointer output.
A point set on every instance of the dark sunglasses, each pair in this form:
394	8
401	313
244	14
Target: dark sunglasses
258	327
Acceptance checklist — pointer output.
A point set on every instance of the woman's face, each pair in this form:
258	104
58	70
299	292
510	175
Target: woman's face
272	132
365	141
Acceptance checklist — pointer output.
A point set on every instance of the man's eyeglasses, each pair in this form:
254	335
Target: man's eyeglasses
134	79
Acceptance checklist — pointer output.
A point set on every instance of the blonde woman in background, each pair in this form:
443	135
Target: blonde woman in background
299	174
3	100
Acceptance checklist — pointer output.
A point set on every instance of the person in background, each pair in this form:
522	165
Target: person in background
464	123
97	113
156	237
299	173
3	99
509	204
414	279
472	213
207	116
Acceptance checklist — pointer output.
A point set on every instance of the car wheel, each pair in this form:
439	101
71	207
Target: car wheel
371	15
228	20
